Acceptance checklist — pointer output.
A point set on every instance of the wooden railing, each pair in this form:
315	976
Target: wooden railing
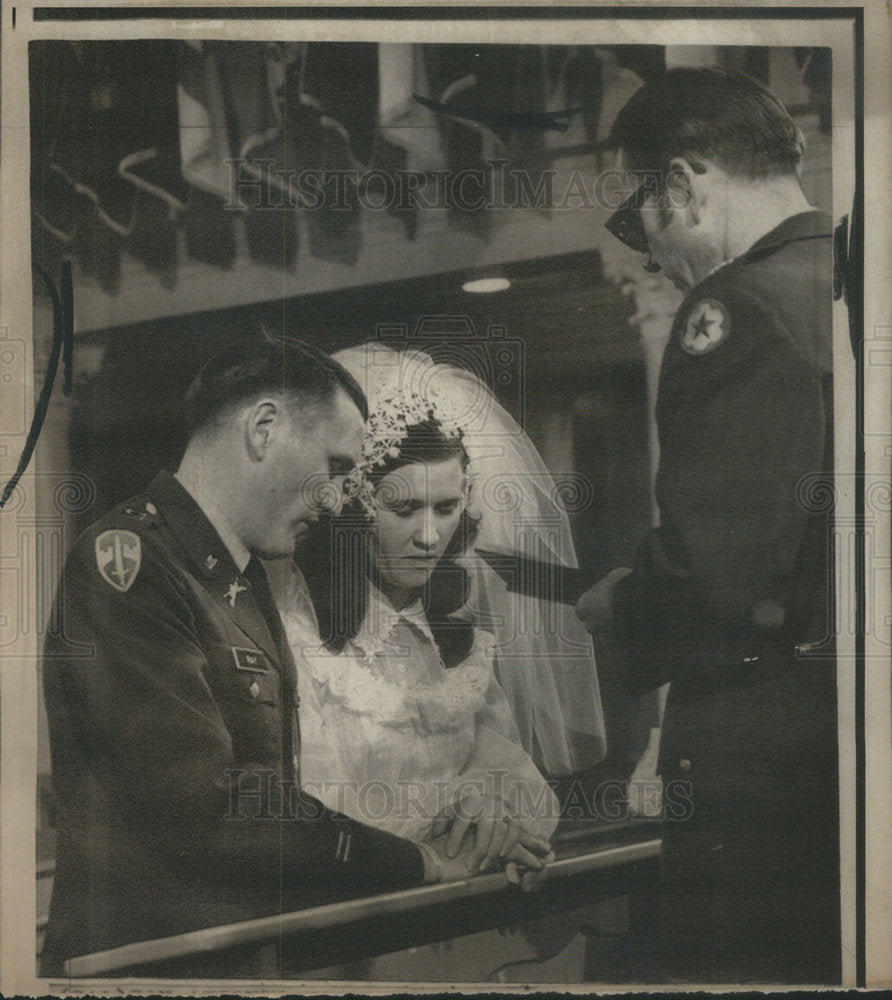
594	860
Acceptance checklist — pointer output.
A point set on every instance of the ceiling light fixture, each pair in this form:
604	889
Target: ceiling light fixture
482	286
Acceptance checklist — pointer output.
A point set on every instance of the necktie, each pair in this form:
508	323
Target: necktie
255	574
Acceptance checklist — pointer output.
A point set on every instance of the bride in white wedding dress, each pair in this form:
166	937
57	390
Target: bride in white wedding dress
404	724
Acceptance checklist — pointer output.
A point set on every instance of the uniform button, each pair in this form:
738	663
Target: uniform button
151	509
255	689
684	765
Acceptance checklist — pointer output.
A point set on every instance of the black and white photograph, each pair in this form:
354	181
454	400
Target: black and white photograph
445	499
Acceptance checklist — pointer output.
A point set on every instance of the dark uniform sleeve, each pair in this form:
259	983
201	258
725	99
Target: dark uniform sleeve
138	739
742	420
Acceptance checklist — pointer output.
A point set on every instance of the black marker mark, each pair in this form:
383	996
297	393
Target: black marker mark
847	238
63	344
841	260
543	120
68	330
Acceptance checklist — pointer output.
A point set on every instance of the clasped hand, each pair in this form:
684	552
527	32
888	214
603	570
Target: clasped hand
595	607
474	834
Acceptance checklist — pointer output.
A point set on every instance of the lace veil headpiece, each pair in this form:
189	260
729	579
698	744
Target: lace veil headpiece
544	656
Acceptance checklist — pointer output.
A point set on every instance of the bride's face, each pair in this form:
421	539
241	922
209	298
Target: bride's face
418	510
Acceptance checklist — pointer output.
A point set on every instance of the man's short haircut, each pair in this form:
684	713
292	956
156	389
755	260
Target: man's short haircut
712	113
262	364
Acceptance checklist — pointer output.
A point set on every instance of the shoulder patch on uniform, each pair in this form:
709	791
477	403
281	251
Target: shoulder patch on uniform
708	325
118	557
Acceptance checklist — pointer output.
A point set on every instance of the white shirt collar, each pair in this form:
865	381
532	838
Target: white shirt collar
234	545
414	615
718	268
381	616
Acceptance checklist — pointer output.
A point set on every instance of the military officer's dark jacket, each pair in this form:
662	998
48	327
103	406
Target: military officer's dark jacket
171	713
738	574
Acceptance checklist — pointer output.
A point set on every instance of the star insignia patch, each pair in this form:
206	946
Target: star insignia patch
707	326
118	557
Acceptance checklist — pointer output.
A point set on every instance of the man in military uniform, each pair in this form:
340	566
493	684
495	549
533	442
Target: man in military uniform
171	693
730	598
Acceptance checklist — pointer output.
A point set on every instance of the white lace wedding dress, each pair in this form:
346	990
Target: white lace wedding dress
390	736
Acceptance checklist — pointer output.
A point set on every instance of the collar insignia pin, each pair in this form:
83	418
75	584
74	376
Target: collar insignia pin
235	589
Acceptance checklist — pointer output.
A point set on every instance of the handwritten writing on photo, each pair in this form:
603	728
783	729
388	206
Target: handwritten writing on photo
62	347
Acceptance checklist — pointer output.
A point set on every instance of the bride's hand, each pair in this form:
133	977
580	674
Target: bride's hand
530	880
497	838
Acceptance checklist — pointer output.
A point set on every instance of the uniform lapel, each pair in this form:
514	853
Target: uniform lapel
235	595
289	667
212	562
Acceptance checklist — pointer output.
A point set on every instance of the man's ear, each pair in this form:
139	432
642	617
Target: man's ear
686	187
262	420
692	177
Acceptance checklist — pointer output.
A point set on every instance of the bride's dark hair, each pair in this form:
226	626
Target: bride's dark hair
336	558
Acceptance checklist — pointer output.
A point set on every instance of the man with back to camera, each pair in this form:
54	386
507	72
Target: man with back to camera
171	694
730	598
